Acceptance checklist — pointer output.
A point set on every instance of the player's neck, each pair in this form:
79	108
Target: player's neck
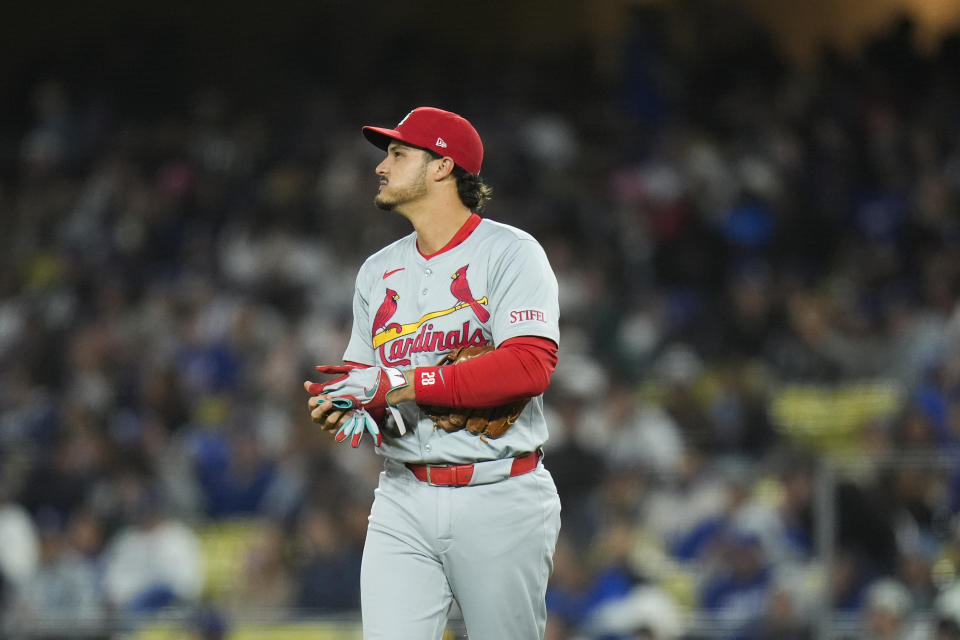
436	226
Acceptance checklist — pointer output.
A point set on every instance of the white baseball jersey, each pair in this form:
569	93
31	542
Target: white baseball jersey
410	311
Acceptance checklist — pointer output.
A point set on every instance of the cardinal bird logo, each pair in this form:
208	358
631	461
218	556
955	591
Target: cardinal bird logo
387	308
460	289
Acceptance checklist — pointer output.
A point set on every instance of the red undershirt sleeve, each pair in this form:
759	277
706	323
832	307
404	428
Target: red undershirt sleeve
519	368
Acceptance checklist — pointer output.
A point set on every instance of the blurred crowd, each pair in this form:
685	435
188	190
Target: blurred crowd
725	228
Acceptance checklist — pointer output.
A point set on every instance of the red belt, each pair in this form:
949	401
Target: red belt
459	475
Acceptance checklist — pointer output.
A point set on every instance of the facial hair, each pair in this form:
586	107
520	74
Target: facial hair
403	195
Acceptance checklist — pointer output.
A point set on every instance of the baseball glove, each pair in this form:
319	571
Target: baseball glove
491	422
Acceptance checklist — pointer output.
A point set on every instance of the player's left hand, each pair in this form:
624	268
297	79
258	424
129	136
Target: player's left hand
369	385
487	422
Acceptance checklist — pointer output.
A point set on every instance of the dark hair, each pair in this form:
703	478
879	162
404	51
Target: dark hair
473	191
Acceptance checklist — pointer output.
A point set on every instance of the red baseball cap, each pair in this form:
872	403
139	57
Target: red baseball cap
435	130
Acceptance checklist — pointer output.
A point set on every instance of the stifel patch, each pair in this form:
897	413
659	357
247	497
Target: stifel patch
527	315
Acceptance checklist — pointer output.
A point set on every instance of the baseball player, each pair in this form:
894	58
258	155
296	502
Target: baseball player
465	510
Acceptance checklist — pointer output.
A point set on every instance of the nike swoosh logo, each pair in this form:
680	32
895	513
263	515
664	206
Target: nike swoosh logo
387	274
369	392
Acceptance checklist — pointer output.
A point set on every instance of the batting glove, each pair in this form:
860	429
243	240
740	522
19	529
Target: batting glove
370	385
356	425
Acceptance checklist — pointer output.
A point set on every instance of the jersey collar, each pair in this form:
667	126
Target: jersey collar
462	234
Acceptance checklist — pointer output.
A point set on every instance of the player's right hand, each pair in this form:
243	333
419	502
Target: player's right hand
370	386
323	411
345	414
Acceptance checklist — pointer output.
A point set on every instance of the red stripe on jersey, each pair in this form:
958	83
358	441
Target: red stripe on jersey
462	234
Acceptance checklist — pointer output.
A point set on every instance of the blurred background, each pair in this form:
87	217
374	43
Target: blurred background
753	210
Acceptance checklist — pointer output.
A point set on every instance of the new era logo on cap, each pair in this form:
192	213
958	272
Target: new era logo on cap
432	128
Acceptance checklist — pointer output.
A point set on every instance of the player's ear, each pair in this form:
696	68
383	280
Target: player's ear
443	167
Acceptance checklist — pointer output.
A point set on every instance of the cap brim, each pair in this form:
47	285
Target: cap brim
381	137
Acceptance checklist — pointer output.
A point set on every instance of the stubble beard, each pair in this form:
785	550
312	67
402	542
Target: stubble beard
404	195
385	205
